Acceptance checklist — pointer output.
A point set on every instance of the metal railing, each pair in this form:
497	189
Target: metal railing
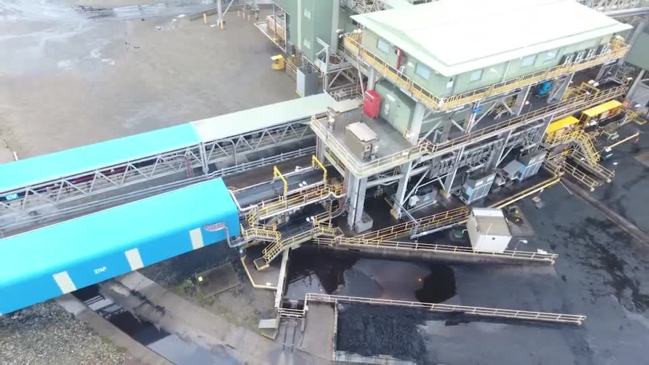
575	319
352	45
275	248
298	199
360	243
425	147
433	222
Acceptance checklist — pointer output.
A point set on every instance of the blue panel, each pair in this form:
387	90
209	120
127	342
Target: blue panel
91	248
74	161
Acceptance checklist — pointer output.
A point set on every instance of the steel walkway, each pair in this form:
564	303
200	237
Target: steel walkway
501	313
357	243
426	148
352	47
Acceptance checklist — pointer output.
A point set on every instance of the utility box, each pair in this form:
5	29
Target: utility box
476	188
488	230
524	167
361	140
532	164
372	104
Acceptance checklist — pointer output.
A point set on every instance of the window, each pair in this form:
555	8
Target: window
475	76
383	46
422	71
528	61
550	55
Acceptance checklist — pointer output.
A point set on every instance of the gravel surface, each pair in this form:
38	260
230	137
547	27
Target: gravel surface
47	334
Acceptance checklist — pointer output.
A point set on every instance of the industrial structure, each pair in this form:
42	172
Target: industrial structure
449	110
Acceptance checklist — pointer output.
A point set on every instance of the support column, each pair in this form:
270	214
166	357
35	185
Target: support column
473	113
219	12
521	98
319	149
450	178
406	170
558	93
356	188
634	85
415	123
371	79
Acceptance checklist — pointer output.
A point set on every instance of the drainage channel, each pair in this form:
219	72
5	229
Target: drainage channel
165	344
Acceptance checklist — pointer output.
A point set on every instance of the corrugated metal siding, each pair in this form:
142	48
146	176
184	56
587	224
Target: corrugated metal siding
93	248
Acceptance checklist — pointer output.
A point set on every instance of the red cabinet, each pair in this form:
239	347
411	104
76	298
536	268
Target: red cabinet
372	104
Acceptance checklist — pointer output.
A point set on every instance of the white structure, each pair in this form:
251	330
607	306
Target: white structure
488	230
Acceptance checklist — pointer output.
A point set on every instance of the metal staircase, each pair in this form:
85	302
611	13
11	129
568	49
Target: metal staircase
276	247
585	144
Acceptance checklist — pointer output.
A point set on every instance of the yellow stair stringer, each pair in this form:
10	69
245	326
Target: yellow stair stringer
275	248
582	139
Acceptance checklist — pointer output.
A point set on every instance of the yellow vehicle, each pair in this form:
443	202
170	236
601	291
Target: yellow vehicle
598	113
560	127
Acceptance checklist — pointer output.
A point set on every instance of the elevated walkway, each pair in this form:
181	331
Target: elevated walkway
500	313
438	221
426	148
421	250
352	46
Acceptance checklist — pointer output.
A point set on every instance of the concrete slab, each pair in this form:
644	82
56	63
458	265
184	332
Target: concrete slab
319	331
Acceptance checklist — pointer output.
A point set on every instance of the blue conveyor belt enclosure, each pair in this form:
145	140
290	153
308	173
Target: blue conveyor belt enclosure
47	262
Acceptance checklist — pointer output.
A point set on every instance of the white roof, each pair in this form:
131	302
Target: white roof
362	131
233	124
456	36
491	221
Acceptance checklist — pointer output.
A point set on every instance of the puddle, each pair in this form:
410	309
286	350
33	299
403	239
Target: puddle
438	286
168	345
319	271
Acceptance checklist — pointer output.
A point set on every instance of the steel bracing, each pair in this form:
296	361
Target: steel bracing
169	169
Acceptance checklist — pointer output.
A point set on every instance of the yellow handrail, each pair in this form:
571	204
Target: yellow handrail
277	173
352	44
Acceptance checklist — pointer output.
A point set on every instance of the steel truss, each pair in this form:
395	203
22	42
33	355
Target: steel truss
234	154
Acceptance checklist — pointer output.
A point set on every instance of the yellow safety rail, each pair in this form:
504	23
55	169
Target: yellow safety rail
360	243
582	139
352	45
317	163
297	200
274	249
278	174
439	220
367	168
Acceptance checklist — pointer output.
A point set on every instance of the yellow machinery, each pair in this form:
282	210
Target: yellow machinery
600	112
560	127
278	62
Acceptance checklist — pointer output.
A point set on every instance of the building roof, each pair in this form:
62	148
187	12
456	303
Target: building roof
157	226
267	116
491	221
86	158
456	36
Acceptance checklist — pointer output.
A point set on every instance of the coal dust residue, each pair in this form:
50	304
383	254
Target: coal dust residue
438	286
